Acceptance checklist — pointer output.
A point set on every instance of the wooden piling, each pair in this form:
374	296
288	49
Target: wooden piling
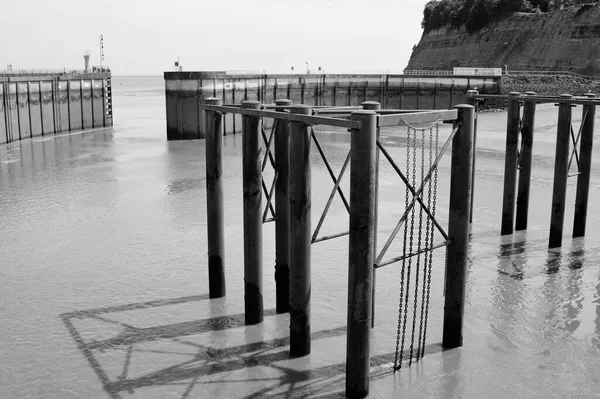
363	200
300	233
458	227
282	214
585	163
473	102
214	201
561	171
510	164
525	163
252	180
374	106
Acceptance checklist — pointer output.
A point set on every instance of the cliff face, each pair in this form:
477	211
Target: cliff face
562	40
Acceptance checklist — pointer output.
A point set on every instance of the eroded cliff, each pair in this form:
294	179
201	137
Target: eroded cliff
561	40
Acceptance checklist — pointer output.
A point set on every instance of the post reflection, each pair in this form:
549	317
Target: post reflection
508	292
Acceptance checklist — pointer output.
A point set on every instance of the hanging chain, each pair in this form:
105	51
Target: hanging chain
428	226
429	267
398	359
411	235
418	262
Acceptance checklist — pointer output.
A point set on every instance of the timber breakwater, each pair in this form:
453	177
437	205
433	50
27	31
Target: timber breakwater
38	104
186	91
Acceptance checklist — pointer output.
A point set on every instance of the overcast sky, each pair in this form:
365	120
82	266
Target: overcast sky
144	37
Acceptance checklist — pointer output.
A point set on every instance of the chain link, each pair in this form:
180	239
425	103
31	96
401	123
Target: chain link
398	355
428	241
418	262
411	242
429	267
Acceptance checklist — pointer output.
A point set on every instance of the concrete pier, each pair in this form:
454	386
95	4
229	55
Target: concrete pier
33	106
186	91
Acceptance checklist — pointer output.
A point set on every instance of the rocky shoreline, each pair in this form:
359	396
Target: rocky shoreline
548	85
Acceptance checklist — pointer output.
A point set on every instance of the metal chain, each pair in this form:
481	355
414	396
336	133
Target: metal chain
428	231
429	267
418	262
398	364
412	231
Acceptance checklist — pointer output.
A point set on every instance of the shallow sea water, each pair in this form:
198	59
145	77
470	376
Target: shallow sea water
104	292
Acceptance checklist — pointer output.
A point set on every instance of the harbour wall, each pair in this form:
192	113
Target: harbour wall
185	91
34	106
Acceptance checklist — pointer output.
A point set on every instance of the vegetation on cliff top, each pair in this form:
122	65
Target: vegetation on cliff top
475	14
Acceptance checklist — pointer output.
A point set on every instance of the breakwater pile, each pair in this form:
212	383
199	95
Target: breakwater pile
186	91
33	106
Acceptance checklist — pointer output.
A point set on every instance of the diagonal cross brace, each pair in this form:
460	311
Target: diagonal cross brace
339	190
575	141
520	135
268	155
416	196
331	196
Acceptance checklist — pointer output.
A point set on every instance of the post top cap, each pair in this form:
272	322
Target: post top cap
283	101
566	96
300	109
590	95
464	106
473	92
371	105
530	93
514	94
251	104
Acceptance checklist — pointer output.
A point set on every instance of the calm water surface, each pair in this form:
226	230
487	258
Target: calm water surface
103	289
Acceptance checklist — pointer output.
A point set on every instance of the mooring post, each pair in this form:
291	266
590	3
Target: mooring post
282	214
214	200
525	162
374	106
363	202
561	171
510	164
585	163
300	233
252	180
458	227
473	101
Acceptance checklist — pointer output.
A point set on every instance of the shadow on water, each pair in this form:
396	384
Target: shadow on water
205	360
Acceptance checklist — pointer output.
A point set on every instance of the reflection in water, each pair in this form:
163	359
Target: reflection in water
453	383
508	294
86	223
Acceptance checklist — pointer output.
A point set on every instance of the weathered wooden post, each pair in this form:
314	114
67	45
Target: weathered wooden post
525	163
374	106
473	101
585	163
300	230
214	200
252	180
363	200
458	227
561	171
282	214
510	164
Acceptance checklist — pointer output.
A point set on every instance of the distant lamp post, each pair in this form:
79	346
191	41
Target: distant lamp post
307	70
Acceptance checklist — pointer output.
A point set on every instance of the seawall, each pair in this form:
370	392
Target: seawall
185	91
34	106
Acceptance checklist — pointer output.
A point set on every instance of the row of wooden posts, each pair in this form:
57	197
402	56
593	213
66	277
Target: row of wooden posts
293	221
516	195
